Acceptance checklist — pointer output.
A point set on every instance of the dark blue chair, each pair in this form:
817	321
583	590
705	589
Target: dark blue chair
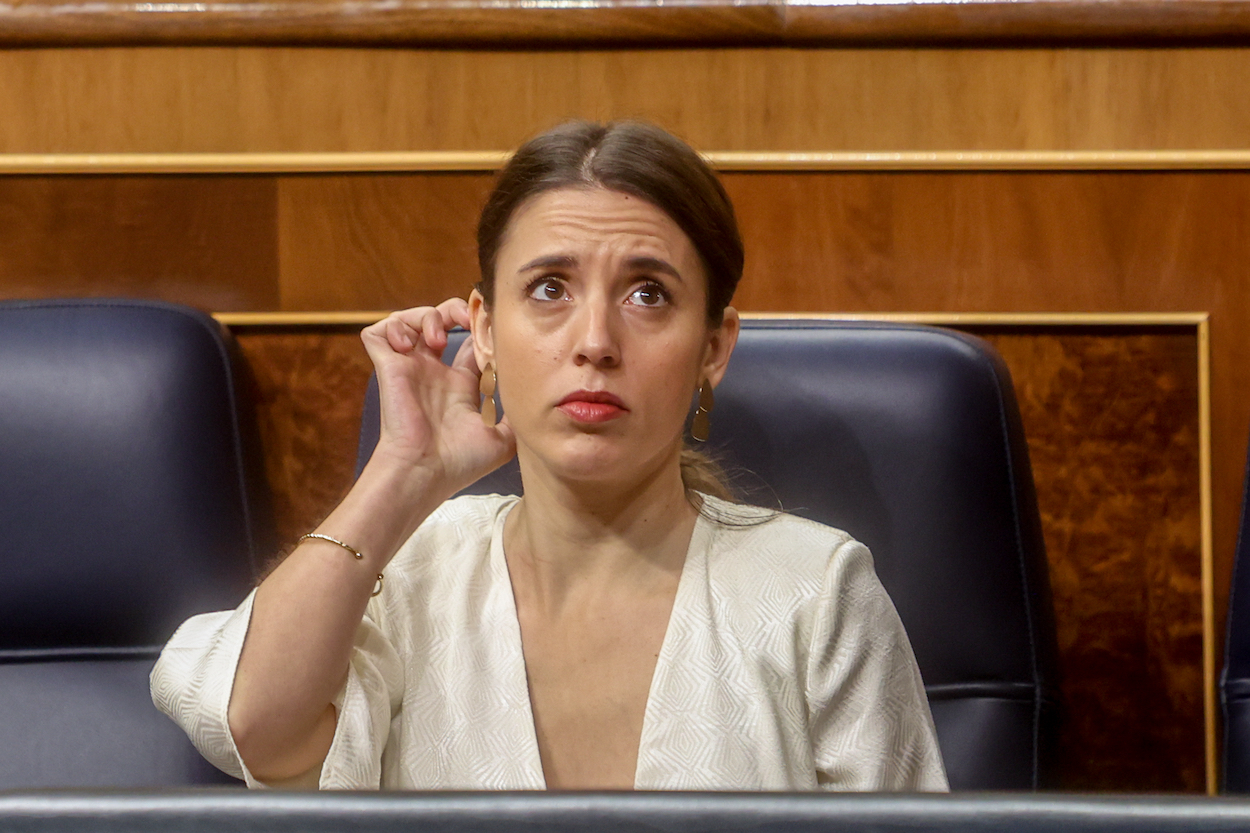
1235	679
909	438
127	504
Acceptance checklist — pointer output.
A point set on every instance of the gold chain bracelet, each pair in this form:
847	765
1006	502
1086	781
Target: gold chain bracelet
377	588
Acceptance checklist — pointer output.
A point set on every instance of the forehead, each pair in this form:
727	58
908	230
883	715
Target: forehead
592	217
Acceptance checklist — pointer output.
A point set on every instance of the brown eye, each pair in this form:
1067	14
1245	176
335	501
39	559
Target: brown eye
649	295
547	289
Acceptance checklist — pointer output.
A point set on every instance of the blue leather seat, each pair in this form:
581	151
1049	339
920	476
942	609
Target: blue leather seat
125	507
909	438
1235	679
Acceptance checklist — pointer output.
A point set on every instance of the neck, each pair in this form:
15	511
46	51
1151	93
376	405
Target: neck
568	539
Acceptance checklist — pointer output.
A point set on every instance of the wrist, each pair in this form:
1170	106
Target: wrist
385	506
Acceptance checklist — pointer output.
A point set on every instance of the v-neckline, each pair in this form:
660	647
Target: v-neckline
499	565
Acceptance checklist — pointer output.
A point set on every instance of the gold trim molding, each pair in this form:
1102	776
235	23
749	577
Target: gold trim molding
364	318
746	161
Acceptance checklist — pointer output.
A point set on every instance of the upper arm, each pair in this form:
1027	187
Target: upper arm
869	719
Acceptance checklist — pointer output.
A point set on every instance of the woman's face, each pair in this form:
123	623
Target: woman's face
599	334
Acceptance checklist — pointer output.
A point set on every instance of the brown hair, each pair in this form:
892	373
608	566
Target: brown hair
644	161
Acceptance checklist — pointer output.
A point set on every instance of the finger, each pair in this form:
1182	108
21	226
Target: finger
434	328
378	345
504	429
376	330
400	335
456	310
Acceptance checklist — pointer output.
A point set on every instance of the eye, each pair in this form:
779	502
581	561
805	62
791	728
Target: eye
547	289
649	295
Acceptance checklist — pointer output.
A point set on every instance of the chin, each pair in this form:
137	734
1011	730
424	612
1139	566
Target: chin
598	459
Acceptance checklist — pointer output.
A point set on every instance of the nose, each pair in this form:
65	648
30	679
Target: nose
597	340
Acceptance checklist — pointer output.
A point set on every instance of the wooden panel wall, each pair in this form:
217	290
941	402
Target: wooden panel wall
252	99
1123	542
856	241
1111	417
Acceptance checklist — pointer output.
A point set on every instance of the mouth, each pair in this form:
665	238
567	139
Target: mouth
589	406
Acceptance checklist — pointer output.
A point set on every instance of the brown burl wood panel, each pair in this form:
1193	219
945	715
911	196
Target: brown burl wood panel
377	242
1112	426
1111	421
209	242
308	390
166	100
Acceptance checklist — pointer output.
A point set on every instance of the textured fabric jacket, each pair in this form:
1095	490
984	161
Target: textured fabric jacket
784	667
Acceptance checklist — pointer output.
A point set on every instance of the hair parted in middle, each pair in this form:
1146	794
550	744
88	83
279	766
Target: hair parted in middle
633	158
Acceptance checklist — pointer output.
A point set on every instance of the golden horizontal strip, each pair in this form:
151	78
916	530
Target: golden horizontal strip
1004	319
984	160
941	319
761	161
248	163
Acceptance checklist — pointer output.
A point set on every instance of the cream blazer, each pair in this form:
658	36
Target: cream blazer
784	667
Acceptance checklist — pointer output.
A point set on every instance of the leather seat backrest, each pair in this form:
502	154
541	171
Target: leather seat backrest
909	438
125	507
1235	679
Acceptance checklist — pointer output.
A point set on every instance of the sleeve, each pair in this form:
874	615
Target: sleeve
868	715
194	676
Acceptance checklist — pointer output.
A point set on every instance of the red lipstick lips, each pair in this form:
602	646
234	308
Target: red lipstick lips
590	406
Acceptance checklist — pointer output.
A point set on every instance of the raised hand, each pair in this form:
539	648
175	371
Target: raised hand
430	416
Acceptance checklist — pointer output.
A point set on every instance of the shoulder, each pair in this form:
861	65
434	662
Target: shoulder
749	540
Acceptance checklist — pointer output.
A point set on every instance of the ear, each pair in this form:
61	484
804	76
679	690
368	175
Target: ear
480	329
720	346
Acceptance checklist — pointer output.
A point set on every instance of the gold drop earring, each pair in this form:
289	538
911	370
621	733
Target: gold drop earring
487	388
702	425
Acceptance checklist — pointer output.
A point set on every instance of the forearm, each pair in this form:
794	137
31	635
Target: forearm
305	616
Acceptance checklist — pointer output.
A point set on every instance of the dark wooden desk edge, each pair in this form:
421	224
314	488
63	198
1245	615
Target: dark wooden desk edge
624	23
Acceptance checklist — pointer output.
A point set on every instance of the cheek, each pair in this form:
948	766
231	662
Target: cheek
674	375
525	367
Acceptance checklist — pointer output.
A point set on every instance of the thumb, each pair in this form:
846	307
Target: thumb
507	437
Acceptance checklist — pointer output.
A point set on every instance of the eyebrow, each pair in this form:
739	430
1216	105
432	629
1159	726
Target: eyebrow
550	261
635	264
654	264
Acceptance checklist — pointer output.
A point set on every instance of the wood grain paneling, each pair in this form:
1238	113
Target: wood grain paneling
336	247
704	22
1111	417
866	242
1021	241
253	99
208	242
820	241
309	390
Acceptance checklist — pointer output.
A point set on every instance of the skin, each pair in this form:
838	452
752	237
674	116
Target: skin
598	295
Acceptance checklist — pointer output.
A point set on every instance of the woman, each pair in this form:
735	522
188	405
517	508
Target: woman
618	626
